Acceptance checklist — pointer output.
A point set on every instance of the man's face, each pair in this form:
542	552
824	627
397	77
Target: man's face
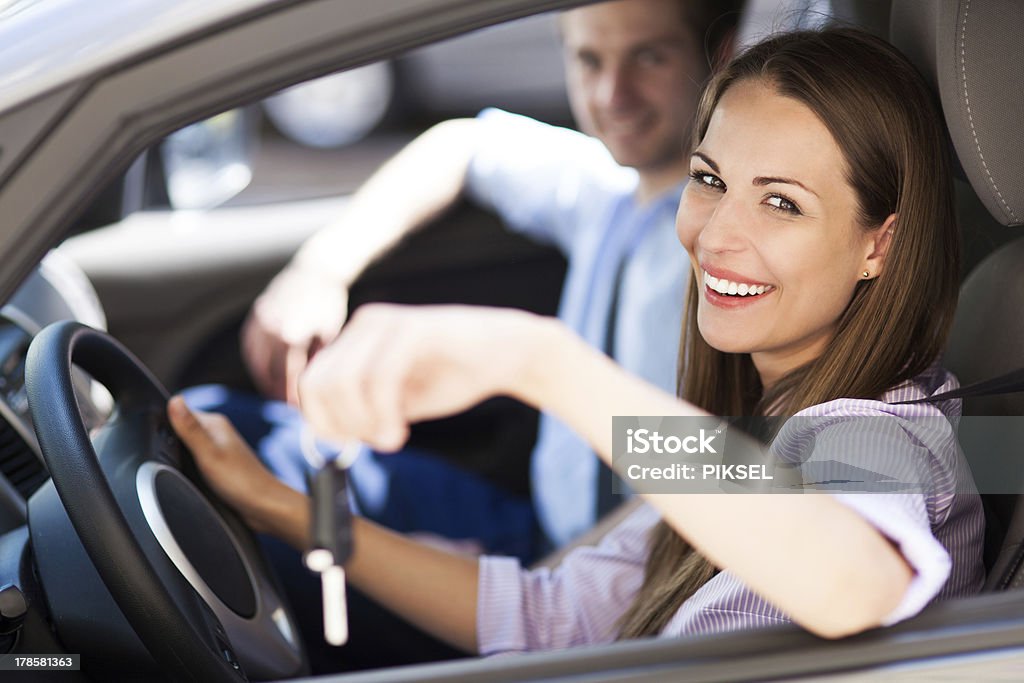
634	71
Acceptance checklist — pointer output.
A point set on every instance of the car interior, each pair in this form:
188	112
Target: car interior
106	555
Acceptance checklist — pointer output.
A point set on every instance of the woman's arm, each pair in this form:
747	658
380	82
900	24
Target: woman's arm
816	559
813	557
434	590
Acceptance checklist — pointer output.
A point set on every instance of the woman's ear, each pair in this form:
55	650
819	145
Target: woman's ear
878	246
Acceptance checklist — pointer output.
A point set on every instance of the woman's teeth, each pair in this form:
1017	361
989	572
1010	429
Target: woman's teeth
728	287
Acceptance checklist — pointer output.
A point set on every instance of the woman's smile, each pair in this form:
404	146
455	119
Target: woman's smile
725	289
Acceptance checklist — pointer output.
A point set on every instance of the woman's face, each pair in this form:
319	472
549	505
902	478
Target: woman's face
770	224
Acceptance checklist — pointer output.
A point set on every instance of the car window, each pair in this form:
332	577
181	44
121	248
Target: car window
323	137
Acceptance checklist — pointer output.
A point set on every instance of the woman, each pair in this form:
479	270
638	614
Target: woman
820	227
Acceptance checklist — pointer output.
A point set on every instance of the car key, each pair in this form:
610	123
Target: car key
331	534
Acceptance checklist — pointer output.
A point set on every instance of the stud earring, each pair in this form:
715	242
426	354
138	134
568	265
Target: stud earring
866	274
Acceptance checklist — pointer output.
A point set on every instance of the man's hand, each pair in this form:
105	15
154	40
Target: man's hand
303	308
299	313
237	476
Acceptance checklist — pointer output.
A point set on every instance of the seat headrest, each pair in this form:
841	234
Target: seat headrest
985	340
972	52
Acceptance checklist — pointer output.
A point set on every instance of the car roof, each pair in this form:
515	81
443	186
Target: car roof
45	44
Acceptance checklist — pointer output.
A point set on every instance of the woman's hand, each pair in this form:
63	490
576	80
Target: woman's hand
433	589
394	365
237	476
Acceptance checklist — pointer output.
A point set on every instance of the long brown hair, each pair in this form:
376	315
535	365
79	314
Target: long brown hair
888	127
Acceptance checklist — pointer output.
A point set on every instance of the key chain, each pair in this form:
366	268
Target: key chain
331	531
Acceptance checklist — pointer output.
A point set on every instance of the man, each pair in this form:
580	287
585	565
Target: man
634	71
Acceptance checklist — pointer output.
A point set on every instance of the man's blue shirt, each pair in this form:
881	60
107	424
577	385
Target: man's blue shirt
563	188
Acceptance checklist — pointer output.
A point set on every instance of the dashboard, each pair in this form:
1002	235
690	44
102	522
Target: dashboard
56	290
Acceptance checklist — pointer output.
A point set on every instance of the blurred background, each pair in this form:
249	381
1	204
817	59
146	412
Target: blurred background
326	136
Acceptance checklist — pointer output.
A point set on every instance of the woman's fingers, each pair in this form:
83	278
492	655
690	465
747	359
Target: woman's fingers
296	358
395	364
328	394
335	391
188	427
226	462
386	390
221	454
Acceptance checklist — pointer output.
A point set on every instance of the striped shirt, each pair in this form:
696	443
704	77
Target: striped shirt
938	527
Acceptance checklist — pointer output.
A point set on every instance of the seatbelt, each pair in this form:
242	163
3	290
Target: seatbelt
1009	383
606	501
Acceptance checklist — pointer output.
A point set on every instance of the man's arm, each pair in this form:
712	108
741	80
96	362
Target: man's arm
410	190
304	307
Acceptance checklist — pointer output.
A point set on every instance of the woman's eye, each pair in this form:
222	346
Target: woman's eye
780	203
706	179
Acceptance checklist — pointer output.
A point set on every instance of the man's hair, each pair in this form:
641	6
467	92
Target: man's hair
713	23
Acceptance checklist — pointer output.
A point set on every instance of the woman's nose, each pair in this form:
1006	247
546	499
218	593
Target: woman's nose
725	229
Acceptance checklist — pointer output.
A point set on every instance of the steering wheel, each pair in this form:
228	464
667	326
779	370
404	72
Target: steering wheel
137	564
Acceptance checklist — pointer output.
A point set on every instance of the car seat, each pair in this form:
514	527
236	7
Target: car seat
972	53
